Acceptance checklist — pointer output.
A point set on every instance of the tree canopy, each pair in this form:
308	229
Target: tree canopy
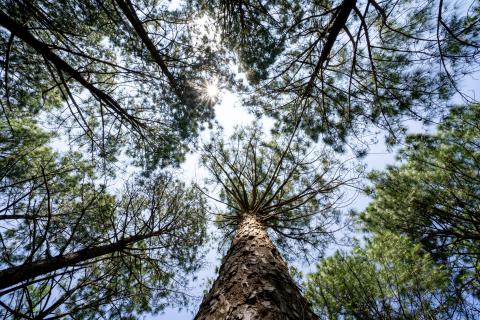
433	196
293	189
421	258
115	75
353	65
101	101
388	278
69	243
89	89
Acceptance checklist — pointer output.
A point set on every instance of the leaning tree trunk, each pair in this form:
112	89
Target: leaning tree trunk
26	271
254	282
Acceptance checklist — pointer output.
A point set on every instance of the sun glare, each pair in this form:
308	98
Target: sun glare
211	91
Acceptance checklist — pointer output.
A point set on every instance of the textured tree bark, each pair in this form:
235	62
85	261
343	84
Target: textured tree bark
254	282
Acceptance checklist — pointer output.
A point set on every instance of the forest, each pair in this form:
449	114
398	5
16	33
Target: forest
240	159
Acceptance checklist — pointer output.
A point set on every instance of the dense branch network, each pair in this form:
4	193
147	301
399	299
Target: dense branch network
107	71
355	65
292	189
69	241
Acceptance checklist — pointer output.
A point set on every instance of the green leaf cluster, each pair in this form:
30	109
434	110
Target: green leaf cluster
387	278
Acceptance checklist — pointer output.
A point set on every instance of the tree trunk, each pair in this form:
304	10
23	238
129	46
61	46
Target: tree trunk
14	275
254	282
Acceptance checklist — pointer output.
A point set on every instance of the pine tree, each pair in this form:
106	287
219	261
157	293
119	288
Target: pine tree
96	98
279	196
388	278
433	197
421	258
69	244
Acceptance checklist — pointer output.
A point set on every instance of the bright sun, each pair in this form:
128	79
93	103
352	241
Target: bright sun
211	90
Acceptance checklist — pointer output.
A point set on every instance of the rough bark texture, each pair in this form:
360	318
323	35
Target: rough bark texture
254	282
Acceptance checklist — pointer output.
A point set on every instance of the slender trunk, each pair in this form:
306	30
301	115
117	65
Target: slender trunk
14	275
129	11
42	48
254	282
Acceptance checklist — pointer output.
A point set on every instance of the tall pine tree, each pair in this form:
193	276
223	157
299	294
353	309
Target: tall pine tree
279	196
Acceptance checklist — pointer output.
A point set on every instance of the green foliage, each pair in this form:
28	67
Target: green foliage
433	197
387	61
388	278
53	204
143	110
422	259
246	27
